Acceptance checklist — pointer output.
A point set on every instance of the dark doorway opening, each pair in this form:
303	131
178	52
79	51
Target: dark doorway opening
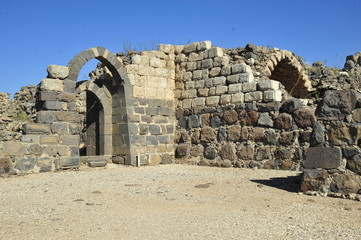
94	125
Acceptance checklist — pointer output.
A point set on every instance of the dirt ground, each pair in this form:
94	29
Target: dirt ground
170	202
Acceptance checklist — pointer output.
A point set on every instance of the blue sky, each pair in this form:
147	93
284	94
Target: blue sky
37	33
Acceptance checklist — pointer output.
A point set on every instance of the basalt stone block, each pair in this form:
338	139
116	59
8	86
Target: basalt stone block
66	97
291	105
323	157
60	128
340	133
318	135
164	139
45	165
222	134
230	116
183	150
305	117
286	138
45	117
283	121
166	159
5	165
208	134
36	149
265	120
314	180
248	118
215	122
70	140
354	164
346	183
197	150
349	152
210	152
48	96
193	121
69	162
52	105
36	128
268	107
154	129
228	151
25	164
234	133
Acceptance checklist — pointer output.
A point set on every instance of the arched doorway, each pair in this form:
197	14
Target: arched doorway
106	121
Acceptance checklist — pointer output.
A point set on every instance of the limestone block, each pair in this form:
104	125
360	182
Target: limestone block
59	72
226	70
235	88
166	48
246	77
225	99
30	138
239	68
237	98
356	115
249	87
154	62
198	102
48	84
221	61
70	140
190	66
272	95
187	76
219	81
215	52
14	148
190	48
36	128
220	90
234	78
208	82
323	157
212	91
253	96
136	59
204	45
212	101
161	72
207	63
215	72
203	92
268	85
48	96
49	140
199	84
187	103
138	91
193	57
198	74
265	120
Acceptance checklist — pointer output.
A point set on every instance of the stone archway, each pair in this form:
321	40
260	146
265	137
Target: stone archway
111	136
285	68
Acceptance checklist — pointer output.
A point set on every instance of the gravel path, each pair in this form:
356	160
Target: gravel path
170	202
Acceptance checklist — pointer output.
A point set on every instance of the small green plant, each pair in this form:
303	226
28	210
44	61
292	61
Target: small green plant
130	48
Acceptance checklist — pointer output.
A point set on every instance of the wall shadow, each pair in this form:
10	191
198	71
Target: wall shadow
289	184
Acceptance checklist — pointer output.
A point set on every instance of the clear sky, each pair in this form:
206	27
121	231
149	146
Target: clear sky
37	33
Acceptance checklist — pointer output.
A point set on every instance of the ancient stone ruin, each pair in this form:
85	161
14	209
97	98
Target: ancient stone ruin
195	104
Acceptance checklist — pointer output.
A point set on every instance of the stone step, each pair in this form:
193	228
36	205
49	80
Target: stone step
97	163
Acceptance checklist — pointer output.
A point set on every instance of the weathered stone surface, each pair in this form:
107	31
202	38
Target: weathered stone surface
196	136
118	160
354	164
286	138
69	162
356	115
234	133
197	150
193	121
346	183
215	122
339	134
323	157
14	149
305	117
222	134
246	152
349	152
283	121
98	163
263	153
55	71
154	160
183	150
268	85
5	165
25	164
228	151
166	159
36	128
208	134
314	180
248	118
265	120
335	104
253	96
210	152
45	165
270	137
230	116
36	149
318	135
291	105
48	84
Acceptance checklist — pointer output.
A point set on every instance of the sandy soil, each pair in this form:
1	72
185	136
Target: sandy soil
170	202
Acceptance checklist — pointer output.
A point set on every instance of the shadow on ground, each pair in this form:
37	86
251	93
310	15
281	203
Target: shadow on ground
290	183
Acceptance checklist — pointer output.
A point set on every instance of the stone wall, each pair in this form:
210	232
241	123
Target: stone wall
228	117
